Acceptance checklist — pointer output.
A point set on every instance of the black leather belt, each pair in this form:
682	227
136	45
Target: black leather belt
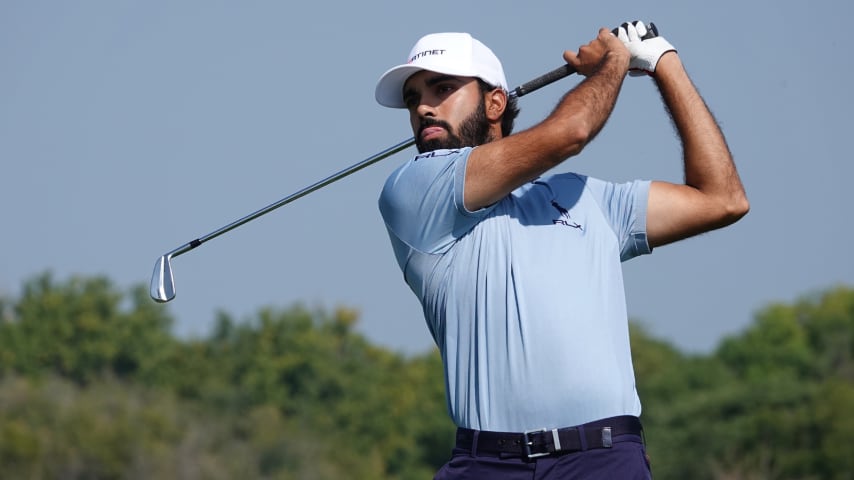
542	442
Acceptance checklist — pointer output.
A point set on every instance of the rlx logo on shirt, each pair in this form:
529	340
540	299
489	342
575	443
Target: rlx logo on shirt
436	153
565	219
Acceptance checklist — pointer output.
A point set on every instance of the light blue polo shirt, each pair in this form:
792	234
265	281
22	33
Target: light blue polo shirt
524	298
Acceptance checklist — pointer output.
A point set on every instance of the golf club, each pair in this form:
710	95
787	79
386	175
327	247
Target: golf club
162	287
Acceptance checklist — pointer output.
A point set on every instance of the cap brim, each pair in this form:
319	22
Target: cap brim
389	91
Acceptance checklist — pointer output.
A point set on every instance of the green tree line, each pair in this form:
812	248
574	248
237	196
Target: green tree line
94	385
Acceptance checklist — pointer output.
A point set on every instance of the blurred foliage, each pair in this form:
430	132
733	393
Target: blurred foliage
93	384
771	403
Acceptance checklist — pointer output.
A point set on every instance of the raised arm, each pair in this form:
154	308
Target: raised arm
712	195
497	168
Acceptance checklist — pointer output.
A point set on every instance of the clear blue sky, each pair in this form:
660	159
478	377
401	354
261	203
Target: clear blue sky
129	128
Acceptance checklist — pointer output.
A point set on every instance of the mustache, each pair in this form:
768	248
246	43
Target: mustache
432	122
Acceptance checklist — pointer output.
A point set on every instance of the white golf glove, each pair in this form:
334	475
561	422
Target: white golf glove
645	52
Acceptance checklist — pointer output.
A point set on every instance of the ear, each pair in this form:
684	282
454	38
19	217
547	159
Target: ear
496	102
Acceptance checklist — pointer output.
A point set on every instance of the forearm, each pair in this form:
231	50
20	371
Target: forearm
578	117
497	168
583	111
709	166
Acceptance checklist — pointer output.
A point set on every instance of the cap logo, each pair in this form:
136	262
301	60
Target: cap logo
448	53
426	53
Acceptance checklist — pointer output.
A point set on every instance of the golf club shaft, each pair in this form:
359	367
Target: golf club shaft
162	287
290	198
162	283
519	91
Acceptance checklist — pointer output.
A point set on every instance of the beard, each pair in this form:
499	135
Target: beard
473	131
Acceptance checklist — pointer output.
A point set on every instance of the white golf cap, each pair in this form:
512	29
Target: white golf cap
449	53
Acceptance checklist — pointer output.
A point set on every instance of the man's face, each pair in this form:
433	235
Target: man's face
446	111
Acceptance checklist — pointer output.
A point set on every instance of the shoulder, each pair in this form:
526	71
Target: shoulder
426	165
444	153
424	182
424	171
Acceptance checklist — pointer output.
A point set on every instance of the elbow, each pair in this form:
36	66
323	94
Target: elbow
735	209
562	136
577	137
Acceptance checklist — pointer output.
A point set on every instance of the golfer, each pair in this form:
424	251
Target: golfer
519	271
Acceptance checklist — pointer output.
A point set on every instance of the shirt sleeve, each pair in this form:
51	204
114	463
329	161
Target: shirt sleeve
625	206
422	201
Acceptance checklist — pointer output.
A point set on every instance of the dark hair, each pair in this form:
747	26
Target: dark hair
510	112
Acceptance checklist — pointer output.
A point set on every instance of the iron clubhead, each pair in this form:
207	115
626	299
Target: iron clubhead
162	284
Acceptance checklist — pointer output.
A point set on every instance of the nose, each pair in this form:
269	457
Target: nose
425	109
418	113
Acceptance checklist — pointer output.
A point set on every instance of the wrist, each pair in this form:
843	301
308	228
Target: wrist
620	59
667	64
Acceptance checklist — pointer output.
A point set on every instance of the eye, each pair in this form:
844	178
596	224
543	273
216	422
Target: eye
410	101
444	88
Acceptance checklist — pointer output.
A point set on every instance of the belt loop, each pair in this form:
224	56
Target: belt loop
475	434
583	438
607	442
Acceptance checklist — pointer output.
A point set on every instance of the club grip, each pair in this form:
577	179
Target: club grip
543	80
651	31
565	70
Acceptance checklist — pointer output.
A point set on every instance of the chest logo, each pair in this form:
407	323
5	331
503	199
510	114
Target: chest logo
564	218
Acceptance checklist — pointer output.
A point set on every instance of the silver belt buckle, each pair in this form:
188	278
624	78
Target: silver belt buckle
528	443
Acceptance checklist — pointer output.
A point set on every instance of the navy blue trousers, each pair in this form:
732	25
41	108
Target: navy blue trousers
625	460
